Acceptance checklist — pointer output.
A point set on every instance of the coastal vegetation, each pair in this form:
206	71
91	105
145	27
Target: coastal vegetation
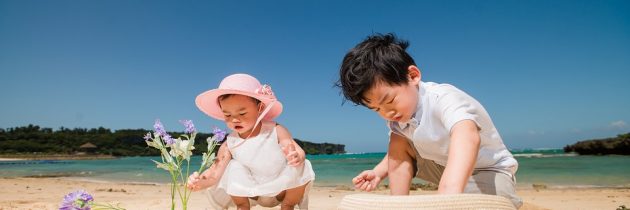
619	145
33	140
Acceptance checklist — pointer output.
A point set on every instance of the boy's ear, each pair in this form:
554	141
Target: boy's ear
413	72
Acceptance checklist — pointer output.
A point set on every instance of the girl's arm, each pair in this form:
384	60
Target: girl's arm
462	155
213	174
294	153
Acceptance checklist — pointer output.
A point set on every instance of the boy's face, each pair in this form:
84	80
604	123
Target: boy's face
395	103
240	113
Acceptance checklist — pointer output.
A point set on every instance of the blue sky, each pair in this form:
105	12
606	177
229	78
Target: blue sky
549	72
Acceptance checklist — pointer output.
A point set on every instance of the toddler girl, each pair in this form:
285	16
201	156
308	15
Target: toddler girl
259	160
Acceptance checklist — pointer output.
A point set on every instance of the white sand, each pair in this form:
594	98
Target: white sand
47	193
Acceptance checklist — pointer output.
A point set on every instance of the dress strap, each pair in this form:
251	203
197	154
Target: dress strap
258	121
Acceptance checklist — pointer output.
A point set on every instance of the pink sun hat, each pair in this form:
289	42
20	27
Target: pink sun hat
242	84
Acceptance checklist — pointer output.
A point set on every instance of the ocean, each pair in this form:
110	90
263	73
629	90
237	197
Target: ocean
550	167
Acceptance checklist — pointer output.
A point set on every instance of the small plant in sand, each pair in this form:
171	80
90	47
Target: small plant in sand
82	200
175	158
176	154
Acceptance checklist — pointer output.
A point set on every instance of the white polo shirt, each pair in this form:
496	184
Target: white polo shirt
440	107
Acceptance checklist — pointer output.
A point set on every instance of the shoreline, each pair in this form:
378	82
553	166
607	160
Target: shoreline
47	193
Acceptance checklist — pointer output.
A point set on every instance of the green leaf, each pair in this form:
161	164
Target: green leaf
162	165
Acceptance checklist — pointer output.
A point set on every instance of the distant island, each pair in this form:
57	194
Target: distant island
619	145
34	141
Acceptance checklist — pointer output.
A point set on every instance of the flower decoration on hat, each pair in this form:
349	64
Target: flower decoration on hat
265	90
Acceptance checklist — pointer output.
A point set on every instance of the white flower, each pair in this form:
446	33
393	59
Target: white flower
182	148
265	90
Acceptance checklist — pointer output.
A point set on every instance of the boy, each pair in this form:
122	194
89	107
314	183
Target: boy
437	132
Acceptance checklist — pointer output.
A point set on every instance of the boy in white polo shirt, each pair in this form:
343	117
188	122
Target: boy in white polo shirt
437	132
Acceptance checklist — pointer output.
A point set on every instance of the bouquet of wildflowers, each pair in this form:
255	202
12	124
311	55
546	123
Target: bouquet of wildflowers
176	154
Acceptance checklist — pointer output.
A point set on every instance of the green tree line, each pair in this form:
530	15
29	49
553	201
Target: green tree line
125	142
619	145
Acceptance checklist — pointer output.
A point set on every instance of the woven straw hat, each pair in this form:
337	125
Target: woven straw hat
454	201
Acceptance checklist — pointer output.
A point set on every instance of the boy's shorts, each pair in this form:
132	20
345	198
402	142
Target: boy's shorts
481	182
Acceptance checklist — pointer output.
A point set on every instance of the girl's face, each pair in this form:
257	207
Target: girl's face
240	113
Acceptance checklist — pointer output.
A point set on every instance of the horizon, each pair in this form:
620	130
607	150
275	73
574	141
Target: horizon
301	139
549	73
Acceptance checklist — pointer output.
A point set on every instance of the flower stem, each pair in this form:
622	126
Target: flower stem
186	192
98	206
179	191
173	182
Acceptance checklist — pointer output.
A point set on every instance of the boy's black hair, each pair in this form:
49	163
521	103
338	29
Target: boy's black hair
378	58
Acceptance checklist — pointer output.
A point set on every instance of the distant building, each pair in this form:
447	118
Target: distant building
87	148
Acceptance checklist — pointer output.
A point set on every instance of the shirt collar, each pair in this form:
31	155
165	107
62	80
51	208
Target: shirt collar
414	121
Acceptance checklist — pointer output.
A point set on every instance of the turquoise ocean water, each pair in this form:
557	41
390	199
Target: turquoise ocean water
548	166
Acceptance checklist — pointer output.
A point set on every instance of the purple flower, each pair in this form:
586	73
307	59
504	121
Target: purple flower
190	127
148	136
77	200
159	128
168	139
219	134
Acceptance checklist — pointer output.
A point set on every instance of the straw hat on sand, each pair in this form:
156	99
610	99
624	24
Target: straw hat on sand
454	201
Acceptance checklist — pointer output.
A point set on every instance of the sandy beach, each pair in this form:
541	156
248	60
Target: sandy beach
47	193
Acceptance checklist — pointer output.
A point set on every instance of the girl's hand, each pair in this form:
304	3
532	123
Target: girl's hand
366	181
197	182
293	156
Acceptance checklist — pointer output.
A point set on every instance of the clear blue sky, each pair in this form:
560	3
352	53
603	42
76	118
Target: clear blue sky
549	72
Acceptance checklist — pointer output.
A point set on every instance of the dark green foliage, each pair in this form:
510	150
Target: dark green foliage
323	148
619	145
126	142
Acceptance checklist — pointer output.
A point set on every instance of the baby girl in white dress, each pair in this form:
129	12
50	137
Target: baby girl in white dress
259	160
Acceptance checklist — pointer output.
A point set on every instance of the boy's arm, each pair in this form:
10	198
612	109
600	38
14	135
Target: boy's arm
380	169
294	153
462	155
368	180
400	164
397	163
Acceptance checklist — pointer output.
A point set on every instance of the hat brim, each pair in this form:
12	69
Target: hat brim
208	103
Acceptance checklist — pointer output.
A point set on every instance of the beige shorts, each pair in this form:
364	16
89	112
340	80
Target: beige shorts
481	182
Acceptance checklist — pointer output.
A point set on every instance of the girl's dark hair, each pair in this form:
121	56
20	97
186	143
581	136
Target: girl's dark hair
221	97
378	58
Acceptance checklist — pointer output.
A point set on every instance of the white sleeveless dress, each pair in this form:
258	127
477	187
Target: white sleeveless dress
259	167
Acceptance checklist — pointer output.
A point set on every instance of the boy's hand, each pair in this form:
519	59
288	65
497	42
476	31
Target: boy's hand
366	181
292	155
197	182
